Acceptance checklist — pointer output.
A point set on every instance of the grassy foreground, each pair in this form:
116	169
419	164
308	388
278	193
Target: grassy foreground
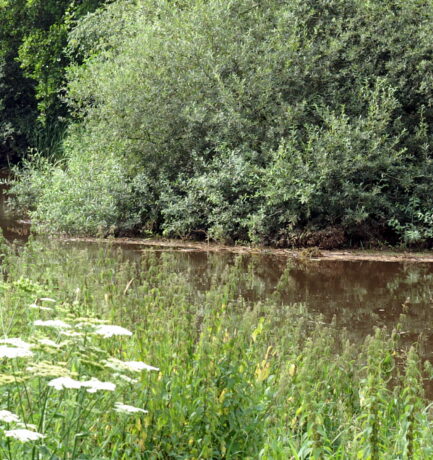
189	373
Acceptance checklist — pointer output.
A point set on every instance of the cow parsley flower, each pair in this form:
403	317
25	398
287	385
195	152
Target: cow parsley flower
24	435
125	378
71	333
133	366
108	330
56	323
51	343
14	352
126	409
65	382
138	366
16	342
93	385
8	417
7	379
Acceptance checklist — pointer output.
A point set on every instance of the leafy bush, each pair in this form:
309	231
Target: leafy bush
89	198
218	202
345	172
249	120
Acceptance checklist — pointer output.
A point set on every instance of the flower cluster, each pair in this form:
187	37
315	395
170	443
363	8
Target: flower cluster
21	434
69	338
92	385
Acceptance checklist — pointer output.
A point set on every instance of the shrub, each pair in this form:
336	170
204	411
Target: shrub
218	201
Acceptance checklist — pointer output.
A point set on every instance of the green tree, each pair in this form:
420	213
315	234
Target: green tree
32	40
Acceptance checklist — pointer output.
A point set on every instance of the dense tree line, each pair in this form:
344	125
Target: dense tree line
283	122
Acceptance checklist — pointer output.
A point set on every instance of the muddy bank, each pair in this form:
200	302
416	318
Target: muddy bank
310	253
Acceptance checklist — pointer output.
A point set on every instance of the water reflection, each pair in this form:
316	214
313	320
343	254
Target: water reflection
358	294
13	227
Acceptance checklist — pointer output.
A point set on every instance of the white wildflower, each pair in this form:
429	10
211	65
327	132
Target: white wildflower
126	409
13	352
24	435
38	307
93	385
56	323
17	342
71	333
138	366
65	382
134	366
7	379
50	343
125	378
108	330
8	417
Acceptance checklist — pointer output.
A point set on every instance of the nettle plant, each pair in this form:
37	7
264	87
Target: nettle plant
63	389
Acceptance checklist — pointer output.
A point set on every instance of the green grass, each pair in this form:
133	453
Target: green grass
237	378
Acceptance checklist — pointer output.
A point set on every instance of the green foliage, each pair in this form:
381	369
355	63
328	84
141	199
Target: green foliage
28	182
86	205
346	172
32	41
218	201
249	120
237	378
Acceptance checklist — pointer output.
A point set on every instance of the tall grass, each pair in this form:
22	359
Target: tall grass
237	379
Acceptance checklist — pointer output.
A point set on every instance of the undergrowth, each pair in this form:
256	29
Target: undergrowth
221	376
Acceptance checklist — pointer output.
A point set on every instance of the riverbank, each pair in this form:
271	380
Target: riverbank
307	253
